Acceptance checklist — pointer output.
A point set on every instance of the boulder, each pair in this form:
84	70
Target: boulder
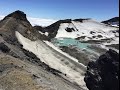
4	48
103	74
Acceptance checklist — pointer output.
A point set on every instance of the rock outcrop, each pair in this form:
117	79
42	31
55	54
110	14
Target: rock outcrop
17	15
112	21
16	21
4	48
104	73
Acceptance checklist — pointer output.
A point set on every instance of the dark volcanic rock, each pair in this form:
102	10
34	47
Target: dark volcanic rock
39	28
53	29
104	73
15	21
81	20
114	20
36	30
69	29
4	48
18	15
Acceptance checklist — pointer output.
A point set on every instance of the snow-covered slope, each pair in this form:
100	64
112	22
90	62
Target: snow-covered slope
57	60
87	30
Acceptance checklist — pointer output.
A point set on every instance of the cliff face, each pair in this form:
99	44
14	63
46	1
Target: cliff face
104	73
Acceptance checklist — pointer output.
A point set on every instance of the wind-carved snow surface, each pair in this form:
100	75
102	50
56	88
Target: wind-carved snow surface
74	71
88	28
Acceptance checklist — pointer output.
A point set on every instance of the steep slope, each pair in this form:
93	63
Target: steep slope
21	44
70	68
53	29
15	21
20	74
44	65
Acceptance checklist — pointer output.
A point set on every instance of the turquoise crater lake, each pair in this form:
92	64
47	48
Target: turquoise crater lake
70	42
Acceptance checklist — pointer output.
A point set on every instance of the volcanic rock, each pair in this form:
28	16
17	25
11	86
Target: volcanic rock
104	73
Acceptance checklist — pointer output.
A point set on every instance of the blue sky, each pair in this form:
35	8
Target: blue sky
63	9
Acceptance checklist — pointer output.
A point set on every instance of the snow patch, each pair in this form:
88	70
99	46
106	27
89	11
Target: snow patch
46	33
46	55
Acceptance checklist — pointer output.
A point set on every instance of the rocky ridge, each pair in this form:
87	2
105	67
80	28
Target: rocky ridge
112	21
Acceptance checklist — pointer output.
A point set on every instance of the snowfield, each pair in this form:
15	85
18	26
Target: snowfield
91	29
55	59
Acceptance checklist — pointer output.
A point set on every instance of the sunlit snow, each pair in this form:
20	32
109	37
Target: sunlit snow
54	60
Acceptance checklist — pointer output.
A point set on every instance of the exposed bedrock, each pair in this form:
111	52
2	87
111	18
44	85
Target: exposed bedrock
104	73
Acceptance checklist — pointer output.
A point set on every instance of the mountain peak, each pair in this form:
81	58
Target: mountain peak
18	15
